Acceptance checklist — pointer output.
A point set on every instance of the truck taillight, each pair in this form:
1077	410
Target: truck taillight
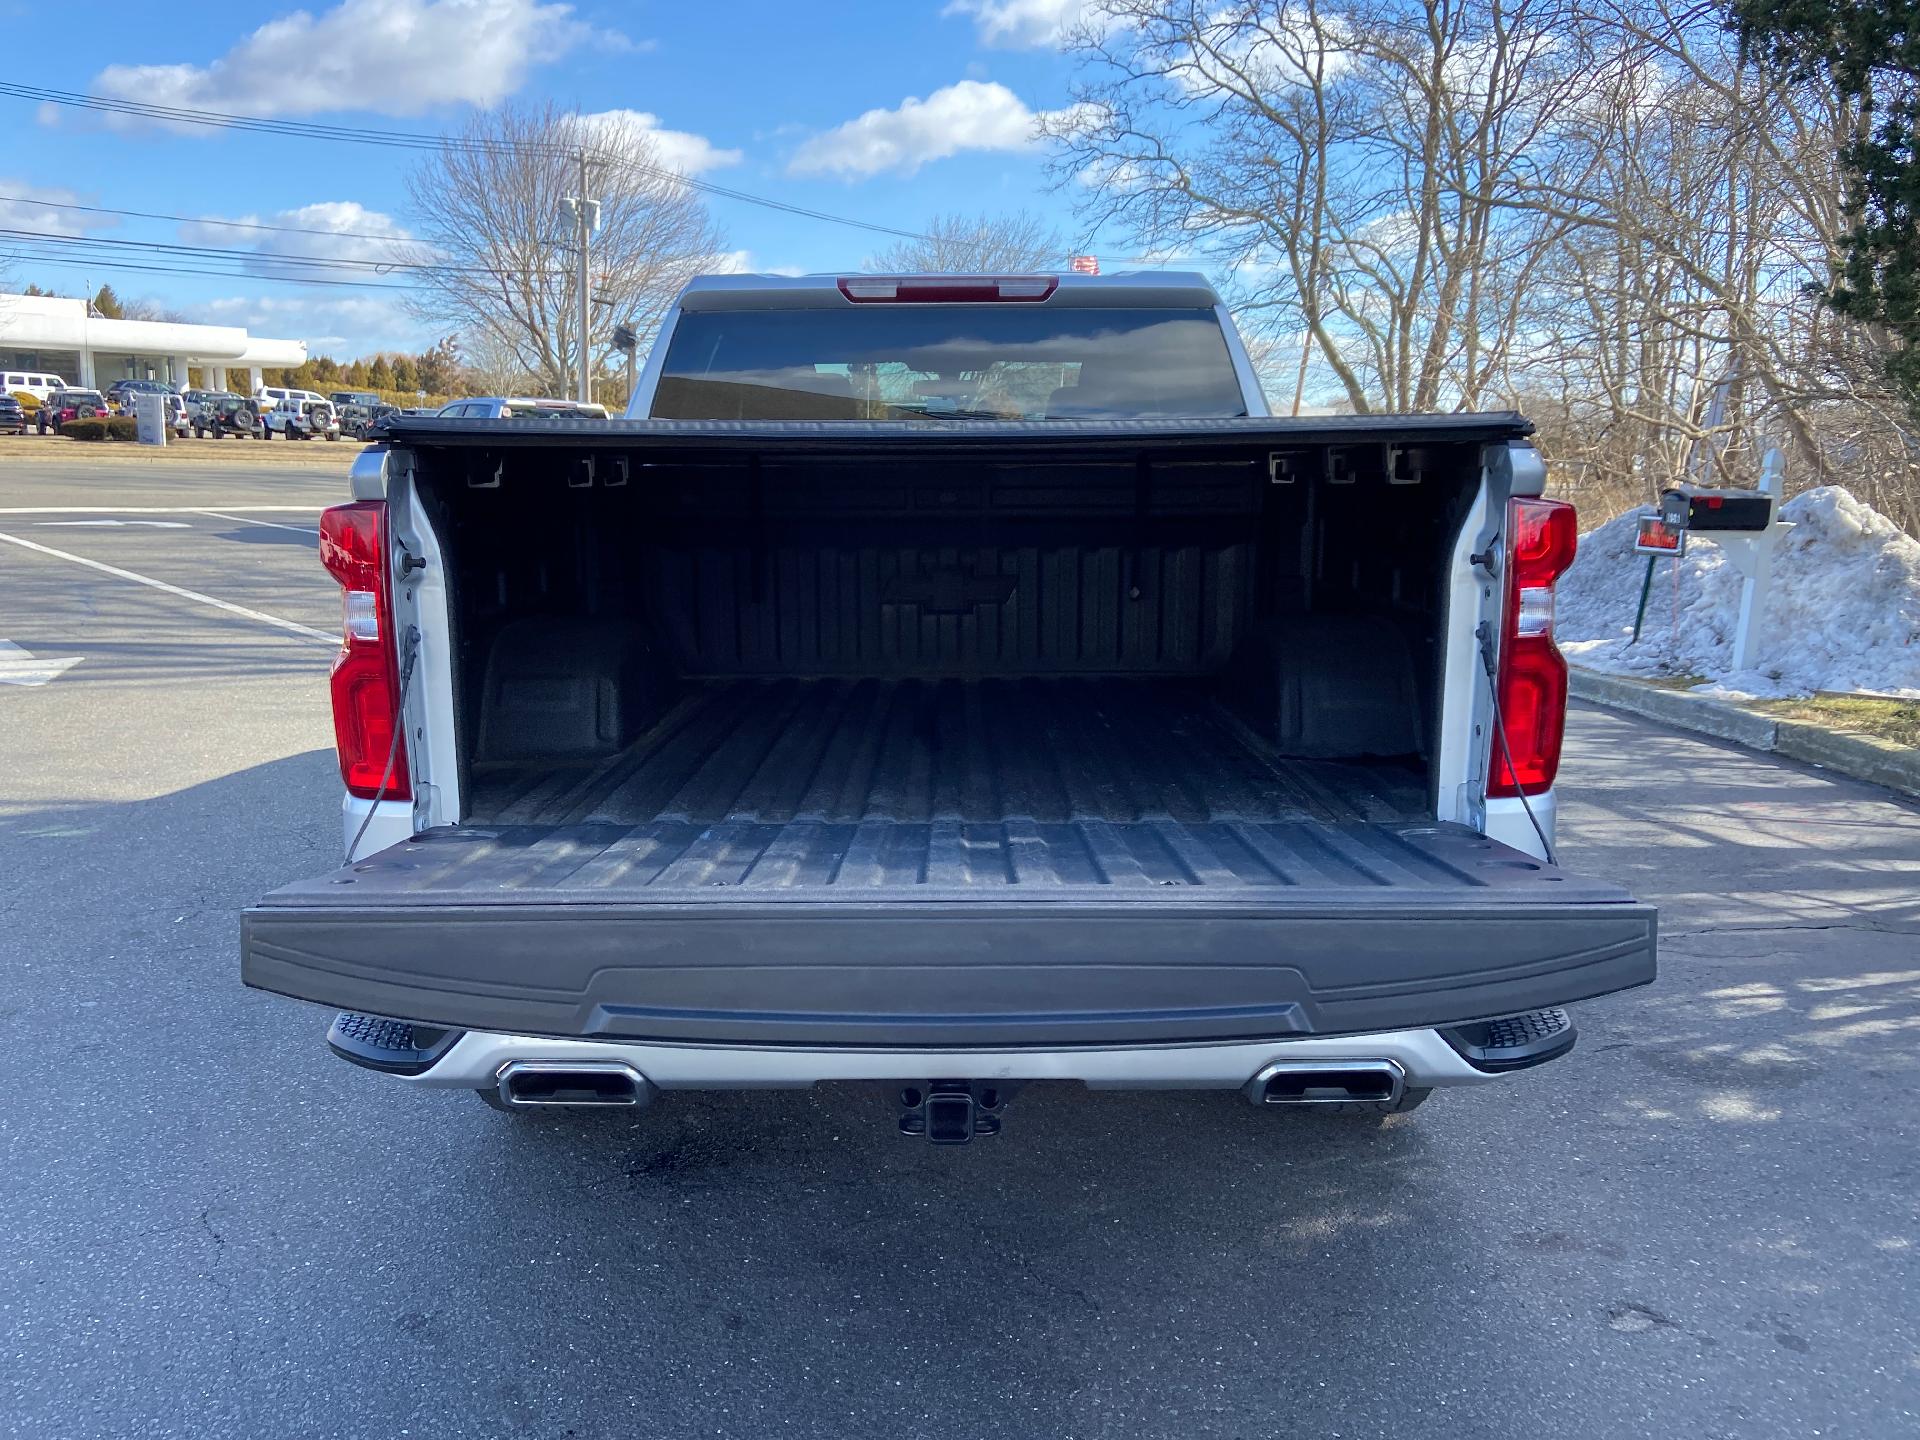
1541	540
366	676
946	289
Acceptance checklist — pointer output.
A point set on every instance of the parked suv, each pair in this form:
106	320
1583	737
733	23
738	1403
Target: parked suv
221	415
302	418
13	416
37	383
64	405
121	392
363	421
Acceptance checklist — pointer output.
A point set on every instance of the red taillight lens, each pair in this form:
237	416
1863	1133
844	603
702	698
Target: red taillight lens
949	289
366	676
1541	540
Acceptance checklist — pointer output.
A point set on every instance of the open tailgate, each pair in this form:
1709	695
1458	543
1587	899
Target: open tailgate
948	934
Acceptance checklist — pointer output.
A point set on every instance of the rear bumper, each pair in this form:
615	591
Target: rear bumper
935	977
1423	1057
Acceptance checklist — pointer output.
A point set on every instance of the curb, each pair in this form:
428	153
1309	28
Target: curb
1858	756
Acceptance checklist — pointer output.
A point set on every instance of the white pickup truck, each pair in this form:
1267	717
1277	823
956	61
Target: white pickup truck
950	682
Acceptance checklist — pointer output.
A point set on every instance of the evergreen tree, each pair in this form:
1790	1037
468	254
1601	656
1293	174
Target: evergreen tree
380	374
106	304
437	371
403	378
1869	52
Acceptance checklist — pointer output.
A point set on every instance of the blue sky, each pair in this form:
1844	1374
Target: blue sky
888	113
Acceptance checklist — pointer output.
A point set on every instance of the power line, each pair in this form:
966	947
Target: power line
195	219
292	260
110	263
413	140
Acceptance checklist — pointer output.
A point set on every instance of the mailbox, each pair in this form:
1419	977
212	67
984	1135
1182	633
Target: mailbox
1701	507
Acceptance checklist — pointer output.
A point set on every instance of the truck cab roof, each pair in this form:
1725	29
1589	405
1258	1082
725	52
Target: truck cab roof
1174	289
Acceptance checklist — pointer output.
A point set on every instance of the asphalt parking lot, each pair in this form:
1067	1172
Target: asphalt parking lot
1704	1222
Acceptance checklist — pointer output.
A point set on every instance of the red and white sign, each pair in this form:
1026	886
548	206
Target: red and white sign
1084	264
1660	536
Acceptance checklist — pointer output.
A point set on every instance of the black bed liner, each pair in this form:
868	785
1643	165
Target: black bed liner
880	933
1106	748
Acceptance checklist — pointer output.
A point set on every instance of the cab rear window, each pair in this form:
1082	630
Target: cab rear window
948	362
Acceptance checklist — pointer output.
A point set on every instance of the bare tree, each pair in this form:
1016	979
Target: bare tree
145	307
1341	160
1007	243
1594	209
488	212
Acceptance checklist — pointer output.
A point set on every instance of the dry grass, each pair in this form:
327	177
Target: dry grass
1897	721
56	449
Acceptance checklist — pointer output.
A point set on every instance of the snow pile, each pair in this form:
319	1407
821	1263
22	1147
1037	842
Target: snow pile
1842	614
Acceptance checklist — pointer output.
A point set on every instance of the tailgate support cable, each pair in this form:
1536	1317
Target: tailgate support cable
399	722
1485	636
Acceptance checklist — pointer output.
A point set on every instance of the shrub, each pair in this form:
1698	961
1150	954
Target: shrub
106	427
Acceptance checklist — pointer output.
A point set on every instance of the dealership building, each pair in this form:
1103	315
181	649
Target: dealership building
50	335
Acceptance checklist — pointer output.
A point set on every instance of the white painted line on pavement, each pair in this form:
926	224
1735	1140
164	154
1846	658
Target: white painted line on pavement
75	525
157	509
18	666
306	632
238	519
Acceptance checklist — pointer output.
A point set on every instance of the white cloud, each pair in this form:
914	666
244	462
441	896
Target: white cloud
394	57
678	149
35	208
345	231
970	115
1022	24
344	326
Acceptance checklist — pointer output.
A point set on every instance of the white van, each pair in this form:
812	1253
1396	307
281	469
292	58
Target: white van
37	383
268	396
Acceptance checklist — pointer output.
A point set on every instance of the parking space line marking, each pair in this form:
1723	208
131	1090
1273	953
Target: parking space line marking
157	509
306	632
241	519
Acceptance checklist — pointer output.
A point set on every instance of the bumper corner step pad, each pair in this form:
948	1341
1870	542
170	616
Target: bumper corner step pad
1514	1042
397	1047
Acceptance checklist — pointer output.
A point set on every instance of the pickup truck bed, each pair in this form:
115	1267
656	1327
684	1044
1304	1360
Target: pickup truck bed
775	751
772	739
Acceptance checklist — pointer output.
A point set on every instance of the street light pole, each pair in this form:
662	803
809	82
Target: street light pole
586	287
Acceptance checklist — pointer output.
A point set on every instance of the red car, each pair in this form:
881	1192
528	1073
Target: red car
64	405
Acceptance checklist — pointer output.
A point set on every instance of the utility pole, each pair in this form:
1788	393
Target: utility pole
586	219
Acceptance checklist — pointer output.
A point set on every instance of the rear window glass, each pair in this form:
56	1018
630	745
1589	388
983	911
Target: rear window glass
985	362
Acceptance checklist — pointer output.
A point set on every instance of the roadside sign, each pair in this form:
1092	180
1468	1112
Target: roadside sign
1660	536
150	419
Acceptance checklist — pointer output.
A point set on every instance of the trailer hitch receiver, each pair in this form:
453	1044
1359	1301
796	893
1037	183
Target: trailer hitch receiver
952	1112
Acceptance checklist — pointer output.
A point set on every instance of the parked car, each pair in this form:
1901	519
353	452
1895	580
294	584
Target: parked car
178	419
13	416
365	399
35	383
521	407
221	415
64	405
903	748
121	392
302	419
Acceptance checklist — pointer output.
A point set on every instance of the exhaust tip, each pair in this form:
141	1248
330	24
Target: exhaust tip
1367	1082
544	1082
